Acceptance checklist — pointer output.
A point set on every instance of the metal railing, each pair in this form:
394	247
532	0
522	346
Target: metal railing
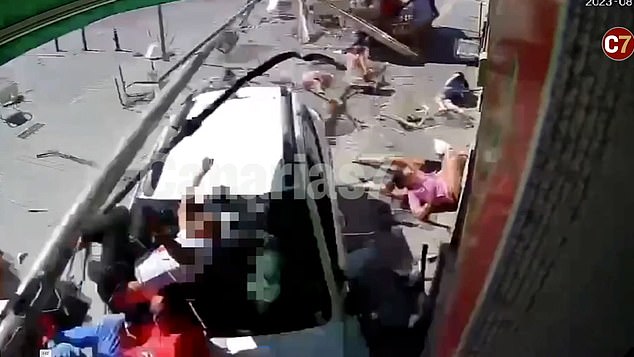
52	261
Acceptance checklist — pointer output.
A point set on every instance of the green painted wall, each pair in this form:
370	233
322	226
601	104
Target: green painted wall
12	12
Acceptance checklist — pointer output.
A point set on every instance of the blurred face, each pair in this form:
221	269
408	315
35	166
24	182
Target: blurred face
400	180
195	221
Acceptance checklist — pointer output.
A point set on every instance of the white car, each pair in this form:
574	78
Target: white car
277	286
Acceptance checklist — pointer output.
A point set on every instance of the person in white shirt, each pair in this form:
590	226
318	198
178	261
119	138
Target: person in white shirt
179	259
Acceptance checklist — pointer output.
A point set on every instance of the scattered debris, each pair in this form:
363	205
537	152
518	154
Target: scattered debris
396	130
423	110
22	257
18	99
55	153
450	118
374	32
37	210
16	118
8	91
403	122
31	130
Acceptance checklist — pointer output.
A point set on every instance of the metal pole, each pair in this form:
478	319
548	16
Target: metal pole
57	45
164	55
123	83
115	38
116	85
480	37
52	261
423	260
83	39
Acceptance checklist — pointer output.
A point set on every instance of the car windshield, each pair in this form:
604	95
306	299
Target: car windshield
265	274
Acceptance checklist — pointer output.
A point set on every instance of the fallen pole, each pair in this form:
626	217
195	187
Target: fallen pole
164	55
55	255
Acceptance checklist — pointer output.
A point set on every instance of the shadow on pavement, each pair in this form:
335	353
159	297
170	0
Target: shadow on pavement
384	299
374	217
380	53
442	46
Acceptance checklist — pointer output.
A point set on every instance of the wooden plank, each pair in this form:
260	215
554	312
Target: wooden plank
375	32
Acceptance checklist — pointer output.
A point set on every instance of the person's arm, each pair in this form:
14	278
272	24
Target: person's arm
422	210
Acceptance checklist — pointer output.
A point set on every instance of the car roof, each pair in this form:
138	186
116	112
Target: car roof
245	139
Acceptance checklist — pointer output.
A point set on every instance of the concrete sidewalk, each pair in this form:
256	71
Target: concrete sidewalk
74	97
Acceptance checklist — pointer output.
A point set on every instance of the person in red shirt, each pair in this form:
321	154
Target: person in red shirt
173	332
390	10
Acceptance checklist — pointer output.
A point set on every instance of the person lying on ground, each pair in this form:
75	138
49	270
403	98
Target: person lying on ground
453	93
425	193
317	81
172	332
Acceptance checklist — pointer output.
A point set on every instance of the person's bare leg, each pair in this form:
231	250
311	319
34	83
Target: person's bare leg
441	105
356	63
363	65
448	104
452	168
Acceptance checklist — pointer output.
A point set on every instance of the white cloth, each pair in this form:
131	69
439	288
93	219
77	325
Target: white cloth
160	269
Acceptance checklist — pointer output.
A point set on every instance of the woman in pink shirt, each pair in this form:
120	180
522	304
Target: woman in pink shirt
428	192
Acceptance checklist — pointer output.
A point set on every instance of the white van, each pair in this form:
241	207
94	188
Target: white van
276	283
